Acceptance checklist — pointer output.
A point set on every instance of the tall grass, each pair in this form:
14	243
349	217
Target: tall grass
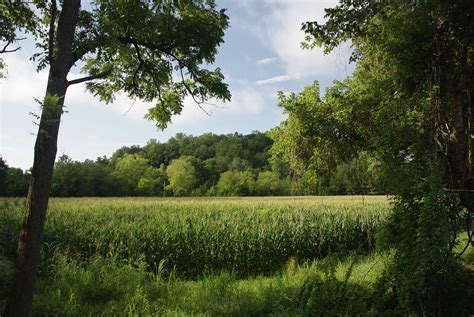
194	236
106	287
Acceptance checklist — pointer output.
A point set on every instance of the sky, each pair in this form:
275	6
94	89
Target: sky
261	55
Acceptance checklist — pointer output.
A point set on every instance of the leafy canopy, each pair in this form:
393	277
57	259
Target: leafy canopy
156	51
410	97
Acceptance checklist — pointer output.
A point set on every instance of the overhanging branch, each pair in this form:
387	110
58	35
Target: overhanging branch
87	78
181	64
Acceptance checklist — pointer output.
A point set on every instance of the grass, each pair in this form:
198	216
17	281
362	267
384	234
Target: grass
304	256
105	286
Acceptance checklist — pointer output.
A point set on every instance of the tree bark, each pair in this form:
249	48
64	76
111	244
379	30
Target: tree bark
29	245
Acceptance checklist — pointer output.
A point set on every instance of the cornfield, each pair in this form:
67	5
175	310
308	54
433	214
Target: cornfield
193	237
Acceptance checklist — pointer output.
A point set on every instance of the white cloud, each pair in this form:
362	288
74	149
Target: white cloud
273	80
246	101
266	61
281	31
78	97
22	82
285	35
190	115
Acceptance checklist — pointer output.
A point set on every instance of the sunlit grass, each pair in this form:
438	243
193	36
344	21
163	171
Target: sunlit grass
107	286
192	236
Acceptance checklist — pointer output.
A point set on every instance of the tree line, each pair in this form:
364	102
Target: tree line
206	165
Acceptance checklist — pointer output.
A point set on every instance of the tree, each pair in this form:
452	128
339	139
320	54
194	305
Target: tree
131	169
13	181
124	150
182	176
268	183
3	177
410	98
258	145
152	182
361	175
88	178
126	46
234	183
316	137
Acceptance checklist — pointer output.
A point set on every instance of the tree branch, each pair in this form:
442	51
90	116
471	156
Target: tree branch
89	47
87	78
190	91
181	63
5	50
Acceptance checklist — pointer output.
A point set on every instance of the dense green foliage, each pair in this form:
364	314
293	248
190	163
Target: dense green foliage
320	148
110	40
408	104
13	181
402	122
194	236
206	165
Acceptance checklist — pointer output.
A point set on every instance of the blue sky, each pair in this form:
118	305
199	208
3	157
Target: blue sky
261	55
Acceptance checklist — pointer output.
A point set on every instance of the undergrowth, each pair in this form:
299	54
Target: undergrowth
106	286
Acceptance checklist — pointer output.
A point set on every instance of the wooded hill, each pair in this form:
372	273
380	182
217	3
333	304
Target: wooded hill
206	165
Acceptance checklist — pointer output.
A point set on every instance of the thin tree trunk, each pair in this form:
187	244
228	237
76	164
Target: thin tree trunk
29	245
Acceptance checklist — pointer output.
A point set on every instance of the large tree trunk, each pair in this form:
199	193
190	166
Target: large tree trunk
29	246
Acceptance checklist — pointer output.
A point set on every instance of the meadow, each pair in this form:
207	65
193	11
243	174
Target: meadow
286	256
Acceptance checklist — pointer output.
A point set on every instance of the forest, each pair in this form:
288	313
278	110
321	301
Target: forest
206	165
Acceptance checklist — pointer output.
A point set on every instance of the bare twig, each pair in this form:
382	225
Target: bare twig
130	108
199	103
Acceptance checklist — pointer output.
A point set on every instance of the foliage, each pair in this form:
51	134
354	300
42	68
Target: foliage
140	170
88	178
13	181
321	146
269	183
110	40
194	29
360	175
17	182
3	176
152	182
133	47
182	176
234	183
433	277
78	282
131	168
408	103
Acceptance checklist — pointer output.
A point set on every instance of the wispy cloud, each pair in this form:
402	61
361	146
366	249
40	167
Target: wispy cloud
279	27
273	80
266	61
